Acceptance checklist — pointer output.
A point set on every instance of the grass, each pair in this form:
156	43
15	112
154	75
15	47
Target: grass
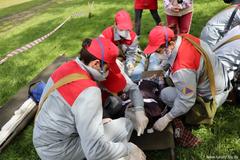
22	148
221	139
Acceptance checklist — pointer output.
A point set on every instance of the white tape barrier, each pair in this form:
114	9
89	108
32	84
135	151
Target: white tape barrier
16	119
37	41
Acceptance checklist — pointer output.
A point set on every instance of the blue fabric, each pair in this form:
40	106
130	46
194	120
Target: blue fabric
36	90
156	62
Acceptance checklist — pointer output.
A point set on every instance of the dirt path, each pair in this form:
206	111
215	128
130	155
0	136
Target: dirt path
8	3
9	22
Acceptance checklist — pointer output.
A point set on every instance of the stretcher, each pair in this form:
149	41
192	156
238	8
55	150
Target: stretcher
155	140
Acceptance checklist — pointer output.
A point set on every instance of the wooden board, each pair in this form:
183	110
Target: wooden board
156	140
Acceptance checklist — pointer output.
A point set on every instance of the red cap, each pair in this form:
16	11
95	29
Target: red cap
123	20
114	82
105	50
157	37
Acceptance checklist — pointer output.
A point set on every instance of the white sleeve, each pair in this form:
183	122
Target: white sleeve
186	86
87	111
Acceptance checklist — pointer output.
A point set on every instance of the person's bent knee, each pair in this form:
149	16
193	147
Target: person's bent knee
168	95
118	130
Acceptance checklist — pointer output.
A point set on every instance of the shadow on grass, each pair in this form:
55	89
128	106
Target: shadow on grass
21	13
15	9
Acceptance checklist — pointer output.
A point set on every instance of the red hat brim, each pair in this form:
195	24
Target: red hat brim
124	26
150	49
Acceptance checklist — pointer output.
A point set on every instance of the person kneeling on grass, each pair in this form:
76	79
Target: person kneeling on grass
69	124
123	36
121	33
200	81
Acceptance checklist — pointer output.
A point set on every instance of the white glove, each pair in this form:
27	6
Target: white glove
142	122
138	119
162	122
135	153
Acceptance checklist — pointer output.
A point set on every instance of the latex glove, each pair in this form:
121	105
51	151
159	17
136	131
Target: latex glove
162	122
142	121
138	119
135	153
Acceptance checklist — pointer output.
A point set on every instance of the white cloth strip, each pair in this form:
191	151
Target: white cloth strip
146	100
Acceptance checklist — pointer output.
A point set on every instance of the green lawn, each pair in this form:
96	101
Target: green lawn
221	139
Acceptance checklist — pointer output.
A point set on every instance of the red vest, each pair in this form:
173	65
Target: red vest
146	4
187	57
109	34
72	90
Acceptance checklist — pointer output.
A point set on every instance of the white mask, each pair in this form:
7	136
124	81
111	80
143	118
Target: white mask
124	33
98	76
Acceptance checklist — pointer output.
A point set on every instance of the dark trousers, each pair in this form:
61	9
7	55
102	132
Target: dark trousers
138	17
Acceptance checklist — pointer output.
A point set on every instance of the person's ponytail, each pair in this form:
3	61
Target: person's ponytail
86	42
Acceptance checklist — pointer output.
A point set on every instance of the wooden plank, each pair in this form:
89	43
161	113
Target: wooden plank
156	140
